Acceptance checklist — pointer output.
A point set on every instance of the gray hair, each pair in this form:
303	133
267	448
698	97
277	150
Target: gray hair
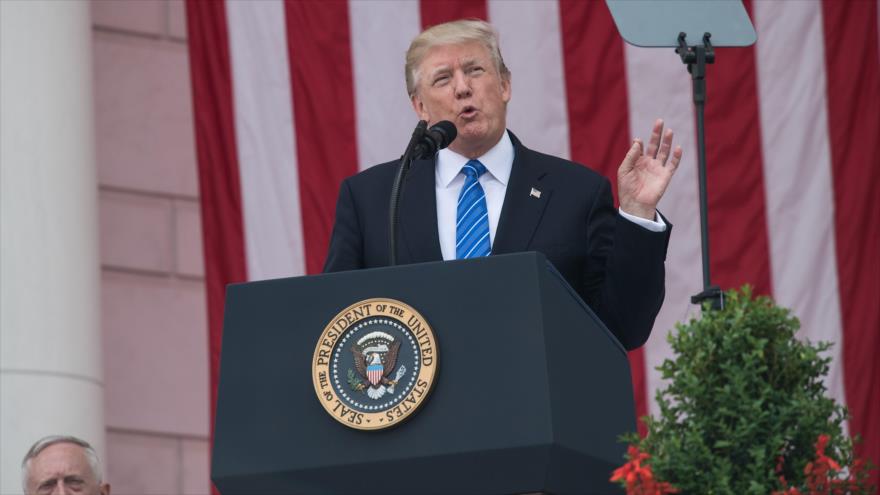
46	442
452	33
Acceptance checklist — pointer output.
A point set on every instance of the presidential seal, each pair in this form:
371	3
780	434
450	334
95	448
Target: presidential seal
375	364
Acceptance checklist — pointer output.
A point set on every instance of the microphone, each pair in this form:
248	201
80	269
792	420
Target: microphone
414	140
423	144
439	136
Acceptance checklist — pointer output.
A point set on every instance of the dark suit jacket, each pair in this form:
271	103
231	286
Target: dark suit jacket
615	265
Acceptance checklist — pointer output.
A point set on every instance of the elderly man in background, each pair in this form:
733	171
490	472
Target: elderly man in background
487	193
61	465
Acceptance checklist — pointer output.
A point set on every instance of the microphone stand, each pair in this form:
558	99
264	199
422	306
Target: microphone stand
402	171
696	57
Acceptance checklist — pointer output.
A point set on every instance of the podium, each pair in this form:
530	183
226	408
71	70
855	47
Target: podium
530	395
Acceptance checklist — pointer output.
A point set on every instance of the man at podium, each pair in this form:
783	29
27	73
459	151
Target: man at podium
487	193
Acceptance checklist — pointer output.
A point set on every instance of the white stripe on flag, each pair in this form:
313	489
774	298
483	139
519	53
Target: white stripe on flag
381	31
659	85
797	171
265	138
532	50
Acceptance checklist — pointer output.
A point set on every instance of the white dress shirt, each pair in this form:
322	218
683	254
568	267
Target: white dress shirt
498	161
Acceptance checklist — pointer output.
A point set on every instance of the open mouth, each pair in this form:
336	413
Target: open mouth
468	112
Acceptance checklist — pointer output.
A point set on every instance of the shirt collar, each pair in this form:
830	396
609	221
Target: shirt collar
498	162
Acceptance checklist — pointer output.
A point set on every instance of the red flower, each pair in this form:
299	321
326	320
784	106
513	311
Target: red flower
821	475
790	491
639	479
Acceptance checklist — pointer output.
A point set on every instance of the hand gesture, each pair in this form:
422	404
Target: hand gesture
642	177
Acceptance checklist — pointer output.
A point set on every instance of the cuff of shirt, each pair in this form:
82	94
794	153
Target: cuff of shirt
654	226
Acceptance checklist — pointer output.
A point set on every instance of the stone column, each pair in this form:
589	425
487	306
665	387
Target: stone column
50	340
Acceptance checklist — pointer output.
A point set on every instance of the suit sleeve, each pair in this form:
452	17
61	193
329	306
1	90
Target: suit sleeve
346	242
625	273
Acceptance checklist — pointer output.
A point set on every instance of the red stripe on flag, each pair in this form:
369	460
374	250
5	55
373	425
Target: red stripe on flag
595	85
640	387
319	47
598	120
435	12
219	189
739	243
853	73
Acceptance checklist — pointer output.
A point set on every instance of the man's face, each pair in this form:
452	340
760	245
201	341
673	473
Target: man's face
63	469
459	83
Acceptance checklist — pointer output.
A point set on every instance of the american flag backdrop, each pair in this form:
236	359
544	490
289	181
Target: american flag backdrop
293	96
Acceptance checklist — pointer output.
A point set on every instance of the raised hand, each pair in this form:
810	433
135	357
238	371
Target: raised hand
642	177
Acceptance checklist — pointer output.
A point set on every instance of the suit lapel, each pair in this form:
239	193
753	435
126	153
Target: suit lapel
418	214
524	202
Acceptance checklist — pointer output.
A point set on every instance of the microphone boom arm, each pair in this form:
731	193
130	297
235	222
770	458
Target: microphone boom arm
394	208
424	143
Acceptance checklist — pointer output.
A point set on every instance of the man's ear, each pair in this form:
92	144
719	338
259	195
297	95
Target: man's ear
419	107
506	89
105	488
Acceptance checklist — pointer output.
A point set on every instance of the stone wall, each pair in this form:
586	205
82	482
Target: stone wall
153	294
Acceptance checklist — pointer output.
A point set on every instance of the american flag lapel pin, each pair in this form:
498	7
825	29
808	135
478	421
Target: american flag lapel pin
535	193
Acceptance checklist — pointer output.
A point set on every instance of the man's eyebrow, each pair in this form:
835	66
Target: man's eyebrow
48	482
471	61
467	62
437	70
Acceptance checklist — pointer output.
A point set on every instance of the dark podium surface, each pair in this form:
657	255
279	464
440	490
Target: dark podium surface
531	394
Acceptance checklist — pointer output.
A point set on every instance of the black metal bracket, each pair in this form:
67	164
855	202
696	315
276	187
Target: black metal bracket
713	294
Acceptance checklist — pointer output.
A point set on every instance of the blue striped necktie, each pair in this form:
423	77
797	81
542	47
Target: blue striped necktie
472	218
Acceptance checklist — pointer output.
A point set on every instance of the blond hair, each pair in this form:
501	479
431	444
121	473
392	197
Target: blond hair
452	33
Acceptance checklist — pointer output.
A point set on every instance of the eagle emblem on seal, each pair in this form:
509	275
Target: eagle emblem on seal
375	359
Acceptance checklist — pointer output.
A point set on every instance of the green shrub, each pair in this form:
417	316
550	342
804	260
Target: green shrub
742	391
